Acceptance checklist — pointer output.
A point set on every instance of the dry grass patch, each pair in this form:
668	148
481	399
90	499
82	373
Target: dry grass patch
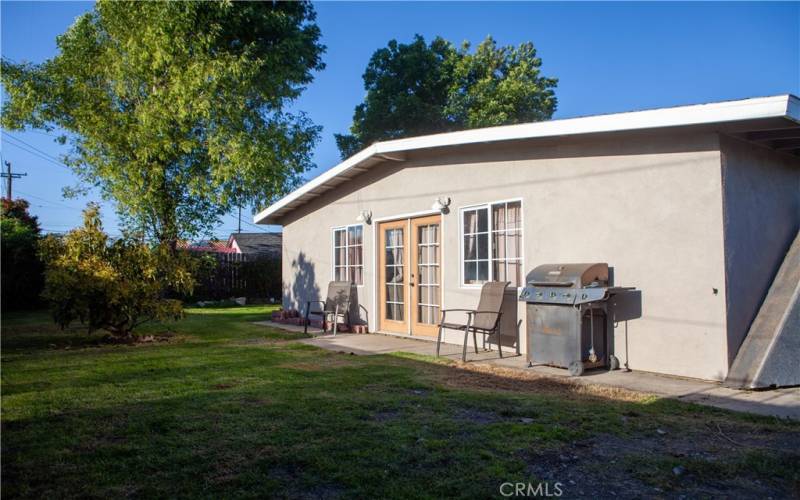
482	376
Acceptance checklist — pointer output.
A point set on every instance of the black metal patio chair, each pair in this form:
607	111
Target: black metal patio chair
484	320
336	305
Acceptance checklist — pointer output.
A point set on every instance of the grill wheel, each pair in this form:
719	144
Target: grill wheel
576	368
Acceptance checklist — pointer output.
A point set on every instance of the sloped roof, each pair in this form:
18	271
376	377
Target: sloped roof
257	243
206	246
783	106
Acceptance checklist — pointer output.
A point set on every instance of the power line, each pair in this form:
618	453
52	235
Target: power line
33	150
248	223
49	201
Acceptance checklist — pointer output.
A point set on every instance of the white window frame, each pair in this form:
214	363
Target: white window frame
490	227
346	252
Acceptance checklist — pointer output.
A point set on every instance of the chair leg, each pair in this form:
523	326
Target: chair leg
464	351
439	340
499	345
475	340
335	320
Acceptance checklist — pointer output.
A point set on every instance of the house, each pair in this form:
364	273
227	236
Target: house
207	246
696	206
256	244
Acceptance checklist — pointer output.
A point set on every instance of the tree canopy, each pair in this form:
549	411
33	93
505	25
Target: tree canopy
20	268
177	110
418	88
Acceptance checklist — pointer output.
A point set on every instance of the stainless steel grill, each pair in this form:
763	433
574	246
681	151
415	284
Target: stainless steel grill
570	313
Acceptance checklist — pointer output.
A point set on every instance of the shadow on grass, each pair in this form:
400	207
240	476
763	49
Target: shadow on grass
214	418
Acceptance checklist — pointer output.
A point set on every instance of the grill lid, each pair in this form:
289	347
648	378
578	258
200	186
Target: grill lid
570	275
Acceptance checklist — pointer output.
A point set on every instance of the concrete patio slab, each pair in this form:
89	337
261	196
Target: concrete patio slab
290	328
784	403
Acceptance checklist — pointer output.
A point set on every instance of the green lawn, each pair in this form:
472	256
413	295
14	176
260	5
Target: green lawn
226	408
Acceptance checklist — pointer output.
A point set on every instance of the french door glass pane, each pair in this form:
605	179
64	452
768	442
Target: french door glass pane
424	294
428	274
399	312
394	274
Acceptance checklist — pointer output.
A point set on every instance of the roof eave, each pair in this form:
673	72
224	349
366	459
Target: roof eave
785	105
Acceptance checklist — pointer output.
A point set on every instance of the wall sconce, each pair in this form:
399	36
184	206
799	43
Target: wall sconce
441	204
364	216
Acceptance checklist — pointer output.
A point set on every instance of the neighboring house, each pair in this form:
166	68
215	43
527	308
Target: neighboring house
251	244
257	244
696	206
207	246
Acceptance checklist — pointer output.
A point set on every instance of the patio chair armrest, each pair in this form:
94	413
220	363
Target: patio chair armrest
484	312
445	311
497	314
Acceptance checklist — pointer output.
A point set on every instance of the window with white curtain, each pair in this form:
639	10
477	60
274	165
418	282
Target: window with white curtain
348	252
492	243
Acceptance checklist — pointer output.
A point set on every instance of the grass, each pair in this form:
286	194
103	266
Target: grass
227	408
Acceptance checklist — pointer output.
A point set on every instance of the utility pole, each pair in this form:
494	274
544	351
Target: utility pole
10	176
240	220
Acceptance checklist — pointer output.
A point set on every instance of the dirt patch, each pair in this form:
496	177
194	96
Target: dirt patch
671	464
222	387
495	378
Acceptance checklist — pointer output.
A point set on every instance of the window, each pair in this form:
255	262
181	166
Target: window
492	243
348	263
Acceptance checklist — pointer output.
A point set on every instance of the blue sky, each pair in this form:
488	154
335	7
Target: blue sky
608	57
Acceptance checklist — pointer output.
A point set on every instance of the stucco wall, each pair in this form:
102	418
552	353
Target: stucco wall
648	204
762	216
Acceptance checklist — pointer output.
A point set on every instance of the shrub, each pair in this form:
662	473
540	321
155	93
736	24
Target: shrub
112	285
21	268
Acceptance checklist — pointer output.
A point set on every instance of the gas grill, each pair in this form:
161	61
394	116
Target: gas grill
570	314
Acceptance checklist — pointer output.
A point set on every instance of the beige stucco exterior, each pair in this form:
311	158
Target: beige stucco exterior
651	204
761	190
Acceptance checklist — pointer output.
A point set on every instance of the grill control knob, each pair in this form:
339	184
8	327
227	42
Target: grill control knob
583	296
539	294
552	294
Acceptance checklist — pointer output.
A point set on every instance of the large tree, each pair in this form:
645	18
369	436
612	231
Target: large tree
420	88
20	267
177	110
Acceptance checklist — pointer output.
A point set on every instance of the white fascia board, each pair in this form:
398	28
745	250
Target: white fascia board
793	109
786	105
321	179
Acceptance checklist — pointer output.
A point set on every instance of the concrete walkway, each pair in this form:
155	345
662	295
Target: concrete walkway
780	402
